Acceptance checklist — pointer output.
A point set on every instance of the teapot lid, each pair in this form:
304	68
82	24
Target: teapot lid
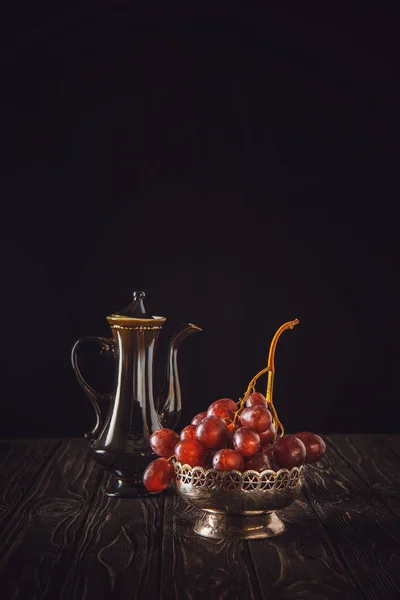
135	315
135	308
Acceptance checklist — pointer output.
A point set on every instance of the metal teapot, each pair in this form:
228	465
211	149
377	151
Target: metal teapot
120	440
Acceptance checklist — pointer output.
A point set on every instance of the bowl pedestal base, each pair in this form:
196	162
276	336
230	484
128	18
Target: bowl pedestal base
246	527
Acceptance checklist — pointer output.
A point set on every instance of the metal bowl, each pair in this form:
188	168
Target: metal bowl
235	504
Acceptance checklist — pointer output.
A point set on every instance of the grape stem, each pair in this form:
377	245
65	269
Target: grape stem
270	369
271	373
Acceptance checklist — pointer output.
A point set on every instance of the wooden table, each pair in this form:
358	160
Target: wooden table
61	537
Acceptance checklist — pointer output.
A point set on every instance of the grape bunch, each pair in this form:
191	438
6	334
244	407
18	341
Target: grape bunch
246	435
227	437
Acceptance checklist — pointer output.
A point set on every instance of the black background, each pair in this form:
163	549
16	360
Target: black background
242	169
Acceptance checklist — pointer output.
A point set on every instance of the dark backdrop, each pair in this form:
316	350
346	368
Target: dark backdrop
242	170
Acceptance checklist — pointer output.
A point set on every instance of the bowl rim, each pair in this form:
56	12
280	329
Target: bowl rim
300	469
189	480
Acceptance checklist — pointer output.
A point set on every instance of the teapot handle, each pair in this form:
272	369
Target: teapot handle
108	349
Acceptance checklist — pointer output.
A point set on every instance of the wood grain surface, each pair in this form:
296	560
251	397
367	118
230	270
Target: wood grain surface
195	567
62	538
360	527
119	553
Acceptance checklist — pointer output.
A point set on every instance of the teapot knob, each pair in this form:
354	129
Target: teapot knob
136	308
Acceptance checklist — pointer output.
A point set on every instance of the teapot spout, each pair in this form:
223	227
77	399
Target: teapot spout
170	400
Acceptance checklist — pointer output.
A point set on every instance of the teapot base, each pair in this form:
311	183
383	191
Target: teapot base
126	488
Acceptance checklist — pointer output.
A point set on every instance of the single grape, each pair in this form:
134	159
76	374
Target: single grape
208	459
158	475
190	452
188	432
289	451
268	436
212	432
198	418
315	445
257	417
256	399
163	442
228	459
246	441
269	452
229	439
259	462
224	408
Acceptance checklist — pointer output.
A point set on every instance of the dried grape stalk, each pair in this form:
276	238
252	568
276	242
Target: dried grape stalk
270	369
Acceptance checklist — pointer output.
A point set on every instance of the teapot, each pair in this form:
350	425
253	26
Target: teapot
120	438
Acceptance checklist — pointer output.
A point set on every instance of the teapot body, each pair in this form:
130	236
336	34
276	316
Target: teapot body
122	444
127	417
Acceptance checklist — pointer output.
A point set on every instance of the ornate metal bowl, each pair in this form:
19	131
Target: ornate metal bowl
235	504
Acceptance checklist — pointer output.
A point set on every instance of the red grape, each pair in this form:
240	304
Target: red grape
163	442
208	459
256	399
224	408
259	462
212	432
289	452
269	452
315	445
246	441
257	417
190	452
188	432
158	475
228	459
268	436
198	418
229	440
